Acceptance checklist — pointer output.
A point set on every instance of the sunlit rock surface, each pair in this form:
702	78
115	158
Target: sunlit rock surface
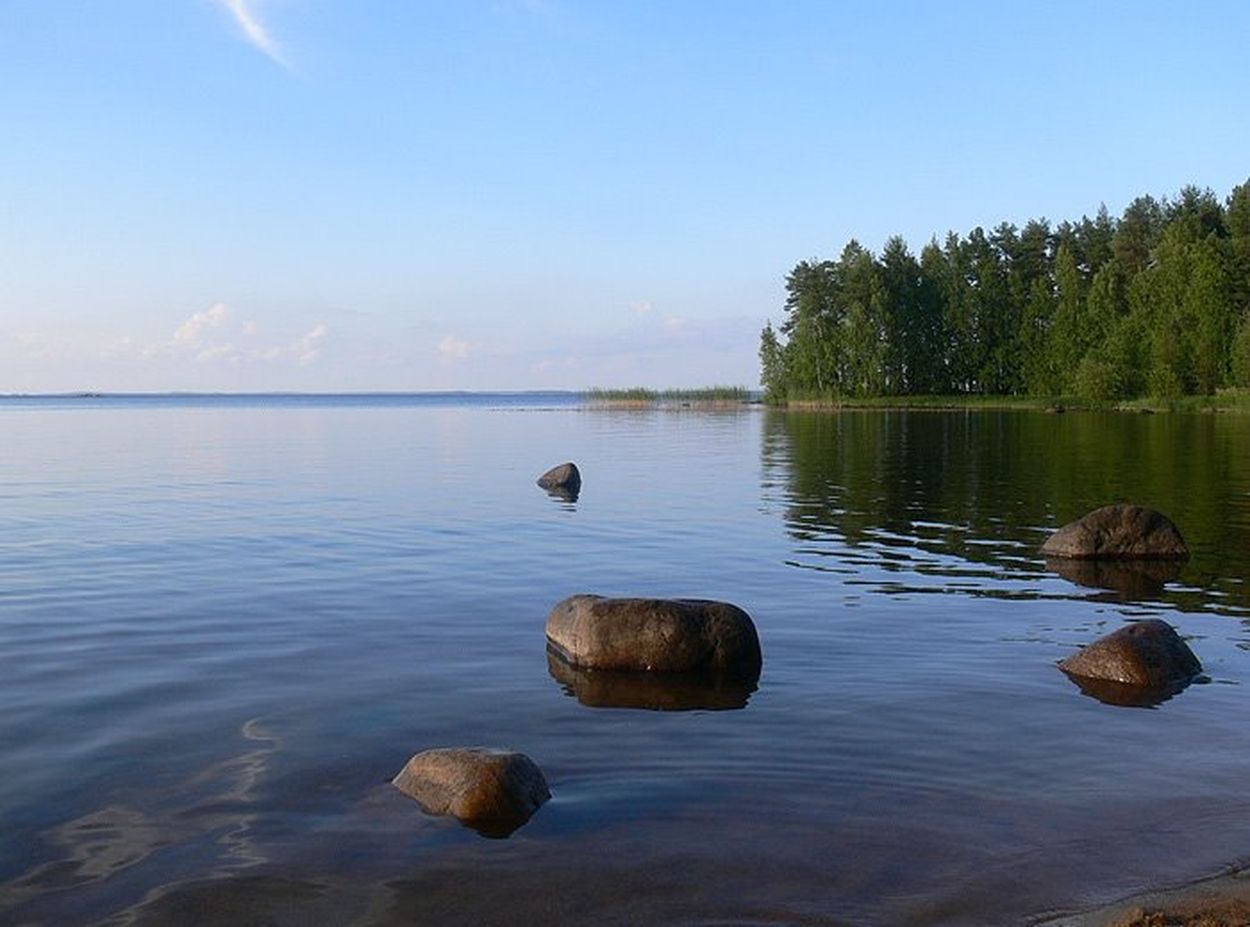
1119	532
1148	656
655	635
493	791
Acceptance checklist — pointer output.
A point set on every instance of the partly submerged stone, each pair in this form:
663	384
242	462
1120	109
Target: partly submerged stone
655	635
596	688
565	477
493	791
1146	654
1120	532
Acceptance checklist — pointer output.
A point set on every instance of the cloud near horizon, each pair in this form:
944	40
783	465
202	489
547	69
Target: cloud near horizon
307	348
452	348
213	336
191	332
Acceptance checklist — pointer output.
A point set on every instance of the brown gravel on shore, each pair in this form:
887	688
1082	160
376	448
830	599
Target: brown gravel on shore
1228	913
1219	901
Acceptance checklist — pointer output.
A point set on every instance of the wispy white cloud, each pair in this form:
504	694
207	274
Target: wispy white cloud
452	348
307	348
218	352
191	332
213	336
43	347
253	30
676	325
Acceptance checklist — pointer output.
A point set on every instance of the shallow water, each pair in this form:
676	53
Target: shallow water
226	623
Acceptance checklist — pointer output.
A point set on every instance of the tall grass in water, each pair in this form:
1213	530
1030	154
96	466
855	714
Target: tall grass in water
640	395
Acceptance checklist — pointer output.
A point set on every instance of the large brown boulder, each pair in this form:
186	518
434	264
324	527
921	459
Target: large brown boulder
493	791
1148	654
1119	531
654	635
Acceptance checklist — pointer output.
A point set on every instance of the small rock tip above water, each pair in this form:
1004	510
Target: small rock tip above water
563	476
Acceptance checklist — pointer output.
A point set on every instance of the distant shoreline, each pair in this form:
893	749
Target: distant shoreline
710	398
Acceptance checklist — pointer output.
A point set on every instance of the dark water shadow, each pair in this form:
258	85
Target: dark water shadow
496	828
255	899
651	691
1123	695
1132	579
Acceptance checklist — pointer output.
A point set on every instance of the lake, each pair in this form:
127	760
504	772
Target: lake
227	622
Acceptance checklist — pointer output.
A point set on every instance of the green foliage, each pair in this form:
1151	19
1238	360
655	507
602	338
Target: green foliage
772	366
1241	353
1101	309
1096	380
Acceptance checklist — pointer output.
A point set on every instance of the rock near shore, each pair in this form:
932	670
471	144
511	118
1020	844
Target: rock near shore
1119	532
493	791
655	635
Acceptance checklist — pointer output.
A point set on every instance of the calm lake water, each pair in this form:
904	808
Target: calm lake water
226	623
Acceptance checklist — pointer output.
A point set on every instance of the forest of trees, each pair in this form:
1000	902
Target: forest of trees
1155	303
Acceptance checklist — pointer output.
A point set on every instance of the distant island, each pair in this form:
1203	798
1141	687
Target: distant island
1155	304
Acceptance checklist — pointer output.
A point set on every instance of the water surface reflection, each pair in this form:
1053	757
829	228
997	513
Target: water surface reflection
651	691
970	497
346	573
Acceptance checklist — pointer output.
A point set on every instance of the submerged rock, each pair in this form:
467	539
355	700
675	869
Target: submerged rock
492	791
650	691
1146	654
1119	531
565	478
655	635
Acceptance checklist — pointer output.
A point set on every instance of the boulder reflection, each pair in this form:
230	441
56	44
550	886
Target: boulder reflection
1133	579
943	494
497	828
651	691
1124	695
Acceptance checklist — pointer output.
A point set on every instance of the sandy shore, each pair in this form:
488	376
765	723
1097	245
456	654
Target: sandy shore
1221	901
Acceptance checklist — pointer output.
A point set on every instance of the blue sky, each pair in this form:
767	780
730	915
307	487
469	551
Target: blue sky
508	194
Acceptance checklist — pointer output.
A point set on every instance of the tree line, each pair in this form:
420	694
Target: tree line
1154	303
